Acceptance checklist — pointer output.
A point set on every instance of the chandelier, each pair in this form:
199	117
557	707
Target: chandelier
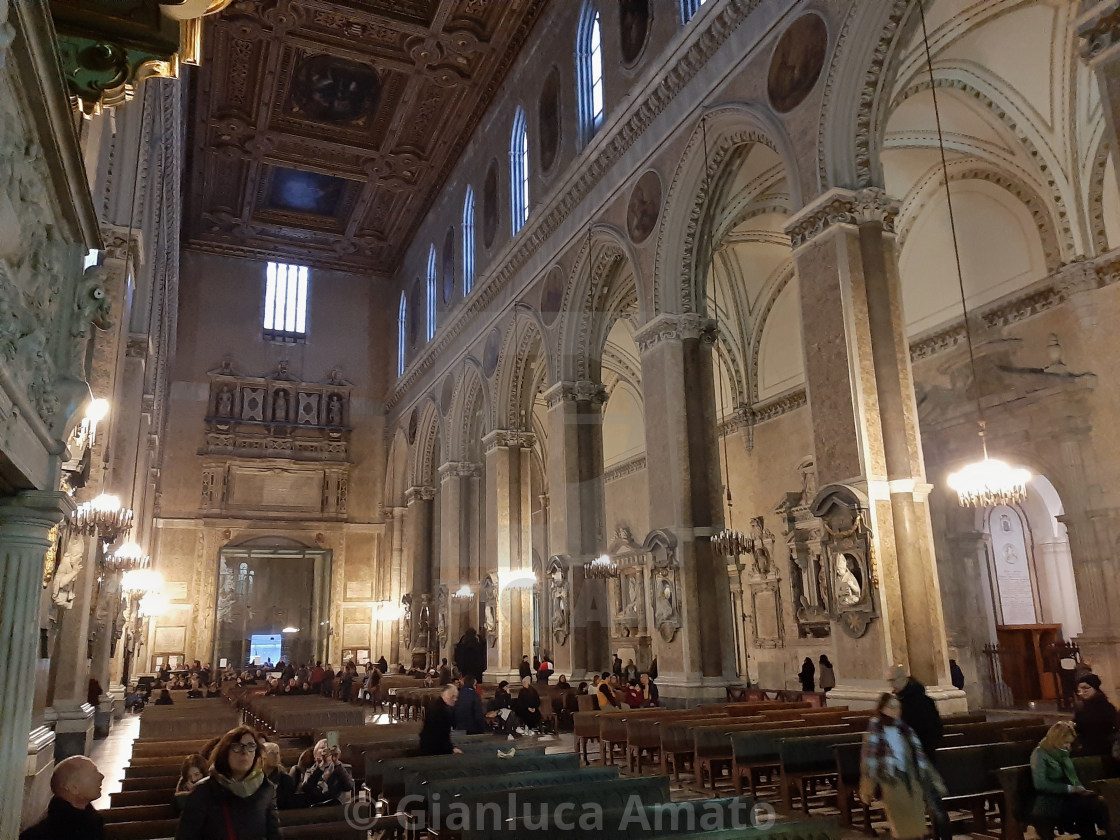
140	581
732	543
602	567
463	593
103	517
989	481
128	557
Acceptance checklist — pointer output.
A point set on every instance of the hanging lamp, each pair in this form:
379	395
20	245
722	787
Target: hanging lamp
989	481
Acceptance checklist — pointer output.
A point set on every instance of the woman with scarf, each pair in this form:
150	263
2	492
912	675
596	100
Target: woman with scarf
895	768
1061	798
236	802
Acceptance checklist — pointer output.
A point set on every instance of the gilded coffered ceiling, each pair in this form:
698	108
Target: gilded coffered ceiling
322	131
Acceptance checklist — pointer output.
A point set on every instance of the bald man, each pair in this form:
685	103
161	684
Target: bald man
76	783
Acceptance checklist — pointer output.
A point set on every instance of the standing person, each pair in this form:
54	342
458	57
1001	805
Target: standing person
616	666
956	675
808	675
468	714
1095	718
435	736
828	675
525	669
75	784
919	712
383	665
544	671
470	655
236	800
1060	796
894	766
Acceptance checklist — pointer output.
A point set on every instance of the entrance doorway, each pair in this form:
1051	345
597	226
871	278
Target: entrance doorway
273	593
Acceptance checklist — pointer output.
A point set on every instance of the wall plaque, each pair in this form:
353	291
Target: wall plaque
359	590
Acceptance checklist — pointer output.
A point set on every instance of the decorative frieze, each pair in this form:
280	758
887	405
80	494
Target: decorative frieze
675	328
461	469
843	207
1099	30
625	468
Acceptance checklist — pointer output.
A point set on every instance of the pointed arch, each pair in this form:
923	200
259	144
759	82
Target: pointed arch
682	259
524	352
422	463
471	395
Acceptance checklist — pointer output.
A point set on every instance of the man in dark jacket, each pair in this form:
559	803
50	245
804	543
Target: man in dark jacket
919	712
76	783
435	736
468	714
470	655
525	669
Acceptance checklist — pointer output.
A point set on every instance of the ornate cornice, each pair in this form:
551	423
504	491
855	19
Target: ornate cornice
581	391
675	328
843	207
508	438
422	493
1099	30
662	91
115	243
625	468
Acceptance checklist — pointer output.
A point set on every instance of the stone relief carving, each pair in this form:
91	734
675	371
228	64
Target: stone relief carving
442	609
490	611
664	584
761	547
808	573
559	593
406	621
66	575
847	552
424	623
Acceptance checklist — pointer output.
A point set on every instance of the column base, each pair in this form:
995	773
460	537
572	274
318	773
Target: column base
73	730
678	691
40	768
496	676
103	717
864	694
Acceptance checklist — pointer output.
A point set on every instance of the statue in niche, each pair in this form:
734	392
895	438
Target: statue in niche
561	603
808	473
280	406
334	410
760	551
490	622
406	619
225	402
66	575
849	590
630	603
441	616
664	605
423	625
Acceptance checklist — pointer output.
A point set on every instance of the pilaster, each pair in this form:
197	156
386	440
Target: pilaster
418	556
1098	26
865	427
677	378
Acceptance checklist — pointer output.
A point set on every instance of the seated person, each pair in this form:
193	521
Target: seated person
164	698
605	693
632	694
214	690
650	695
527	706
195	692
562	683
1061	798
302	766
286	796
327	780
75	784
195	768
134	700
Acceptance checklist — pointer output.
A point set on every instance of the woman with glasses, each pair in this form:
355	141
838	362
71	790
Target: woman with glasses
236	801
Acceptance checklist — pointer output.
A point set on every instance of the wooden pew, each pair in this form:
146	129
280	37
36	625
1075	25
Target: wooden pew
643	734
805	759
1017	788
753	751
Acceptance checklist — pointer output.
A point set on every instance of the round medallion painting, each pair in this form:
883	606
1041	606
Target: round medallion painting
552	296
490	354
644	207
797	62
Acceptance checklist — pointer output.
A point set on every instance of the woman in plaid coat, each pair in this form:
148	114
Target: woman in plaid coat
895	769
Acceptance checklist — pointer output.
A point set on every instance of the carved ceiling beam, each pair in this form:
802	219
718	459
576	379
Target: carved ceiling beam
107	48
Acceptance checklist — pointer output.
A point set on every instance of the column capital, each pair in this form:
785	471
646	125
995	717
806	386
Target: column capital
507	437
841	206
1098	27
419	493
462	469
668	327
28	516
583	390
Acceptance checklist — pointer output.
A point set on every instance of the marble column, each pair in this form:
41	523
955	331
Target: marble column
680	426
454	553
25	521
509	544
396	553
577	528
73	716
865	430
419	561
1098	25
106	613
